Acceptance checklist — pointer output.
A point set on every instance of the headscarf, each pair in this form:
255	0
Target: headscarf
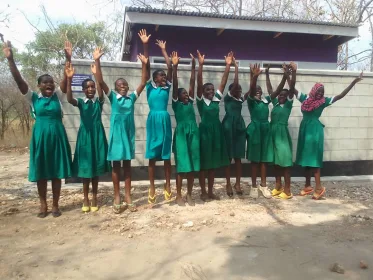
311	103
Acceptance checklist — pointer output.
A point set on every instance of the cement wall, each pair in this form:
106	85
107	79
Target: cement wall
348	123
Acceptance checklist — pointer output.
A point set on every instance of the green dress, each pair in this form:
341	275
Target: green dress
185	144
122	126
259	140
212	143
310	149
91	144
234	127
50	152
282	144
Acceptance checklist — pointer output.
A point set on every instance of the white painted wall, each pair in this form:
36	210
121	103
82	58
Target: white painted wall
348	123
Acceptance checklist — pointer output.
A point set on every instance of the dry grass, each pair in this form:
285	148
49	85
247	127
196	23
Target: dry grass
14	138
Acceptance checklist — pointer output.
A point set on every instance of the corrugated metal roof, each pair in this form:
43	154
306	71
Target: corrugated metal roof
249	18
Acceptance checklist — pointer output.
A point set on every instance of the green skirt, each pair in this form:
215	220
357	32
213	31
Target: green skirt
185	146
282	145
235	135
50	152
259	142
90	158
212	146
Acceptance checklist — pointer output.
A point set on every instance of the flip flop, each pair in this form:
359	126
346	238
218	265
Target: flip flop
85	208
317	196
304	192
167	195
42	215
230	194
284	196
94	208
117	208
151	199
132	207
56	214
276	192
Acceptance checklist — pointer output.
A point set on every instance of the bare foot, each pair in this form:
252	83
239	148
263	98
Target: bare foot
229	190
180	201
204	197
190	200
94	202
238	189
214	196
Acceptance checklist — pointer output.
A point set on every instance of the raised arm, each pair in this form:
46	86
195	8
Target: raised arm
175	85
162	45
99	90
282	83
68	54
293	68
343	93
144	73
192	80
22	85
98	52
268	81
201	60
228	62
69	73
254	74
145	41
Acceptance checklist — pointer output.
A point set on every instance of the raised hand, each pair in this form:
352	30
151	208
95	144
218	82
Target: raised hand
142	58
201	58
267	68
68	48
293	66
69	70
143	36
93	69
97	53
161	44
360	78
255	70
175	58
193	60
229	58
286	68
234	62
7	50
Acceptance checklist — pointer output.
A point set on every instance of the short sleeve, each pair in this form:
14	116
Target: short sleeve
133	96
80	102
302	97
289	103
275	101
200	106
28	96
218	95
328	101
111	95
268	98
191	100
60	94
174	105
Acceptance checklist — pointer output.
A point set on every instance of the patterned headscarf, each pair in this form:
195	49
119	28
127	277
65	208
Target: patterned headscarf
311	103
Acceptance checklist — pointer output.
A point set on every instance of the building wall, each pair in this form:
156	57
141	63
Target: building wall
348	123
247	45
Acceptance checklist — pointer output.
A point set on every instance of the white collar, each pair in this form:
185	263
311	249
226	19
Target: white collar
87	99
119	96
40	95
208	101
240	99
165	87
264	100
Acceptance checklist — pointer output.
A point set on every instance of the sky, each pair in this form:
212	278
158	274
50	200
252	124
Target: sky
20	31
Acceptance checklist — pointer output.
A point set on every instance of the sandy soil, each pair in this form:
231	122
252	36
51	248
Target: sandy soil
230	239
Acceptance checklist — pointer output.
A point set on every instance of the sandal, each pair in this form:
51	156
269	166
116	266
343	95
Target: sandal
117	208
317	196
132	207
230	194
94	208
151	199
284	196
240	192
85	209
167	195
56	214
306	191
276	192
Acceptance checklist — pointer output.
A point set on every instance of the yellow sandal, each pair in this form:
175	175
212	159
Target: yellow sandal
85	209
167	195
151	199
276	192
284	196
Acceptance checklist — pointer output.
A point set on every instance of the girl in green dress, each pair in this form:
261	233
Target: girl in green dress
50	153
234	132
122	127
282	144
91	145
310	147
259	139
212	143
186	136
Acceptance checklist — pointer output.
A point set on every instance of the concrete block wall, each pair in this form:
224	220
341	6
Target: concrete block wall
348	122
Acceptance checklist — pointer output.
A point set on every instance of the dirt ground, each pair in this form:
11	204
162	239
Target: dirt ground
230	239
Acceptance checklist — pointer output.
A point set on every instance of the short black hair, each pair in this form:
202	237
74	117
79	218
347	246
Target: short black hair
180	90
85	82
206	85
120	79
157	72
285	89
43	76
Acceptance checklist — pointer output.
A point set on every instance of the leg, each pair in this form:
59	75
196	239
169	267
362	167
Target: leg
202	183
278	177
151	170
211	179
179	182
127	185
115	175
287	180
86	182
228	179
317	174
254	170
167	175
263	174
94	191
42	190
238	165
190	179
307	187
56	189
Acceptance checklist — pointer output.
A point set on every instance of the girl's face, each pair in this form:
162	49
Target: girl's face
319	93
282	96
46	86
258	93
209	92
238	92
121	87
161	79
183	97
90	89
